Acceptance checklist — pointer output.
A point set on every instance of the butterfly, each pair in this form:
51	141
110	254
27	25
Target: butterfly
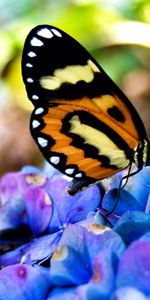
82	122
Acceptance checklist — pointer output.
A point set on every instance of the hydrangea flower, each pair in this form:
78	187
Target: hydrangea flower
56	246
35	210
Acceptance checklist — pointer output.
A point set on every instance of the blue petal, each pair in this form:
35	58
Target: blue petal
90	242
33	252
39	209
23	282
81	204
29	169
134	267
95	219
97	253
68	267
63	294
125	202
147	208
146	236
140	187
104	267
132	226
102	282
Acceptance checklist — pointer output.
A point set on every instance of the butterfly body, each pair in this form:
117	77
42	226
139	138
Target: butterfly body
83	124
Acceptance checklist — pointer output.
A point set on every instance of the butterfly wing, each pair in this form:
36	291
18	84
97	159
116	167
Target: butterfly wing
83	124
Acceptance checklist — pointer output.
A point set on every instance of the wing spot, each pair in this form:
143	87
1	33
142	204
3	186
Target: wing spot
45	32
42	142
35	124
56	32
69	171
31	54
35	97
39	111
30	80
55	160
79	175
116	113
29	65
36	42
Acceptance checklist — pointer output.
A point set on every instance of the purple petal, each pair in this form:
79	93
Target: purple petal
128	293
57	190
12	211
81	204
9	187
12	186
39	209
71	209
23	282
134	267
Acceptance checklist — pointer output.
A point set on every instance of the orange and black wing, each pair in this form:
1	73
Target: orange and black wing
83	124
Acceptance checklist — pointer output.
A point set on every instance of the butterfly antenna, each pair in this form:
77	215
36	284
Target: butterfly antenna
126	177
117	191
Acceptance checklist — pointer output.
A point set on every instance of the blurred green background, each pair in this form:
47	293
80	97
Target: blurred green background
115	32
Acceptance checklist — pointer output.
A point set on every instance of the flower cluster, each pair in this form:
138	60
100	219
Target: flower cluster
56	246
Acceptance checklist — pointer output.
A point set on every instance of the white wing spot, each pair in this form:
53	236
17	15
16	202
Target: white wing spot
36	42
55	160
43	142
69	171
29	65
79	175
45	32
35	124
56	32
31	54
39	111
30	80
35	97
